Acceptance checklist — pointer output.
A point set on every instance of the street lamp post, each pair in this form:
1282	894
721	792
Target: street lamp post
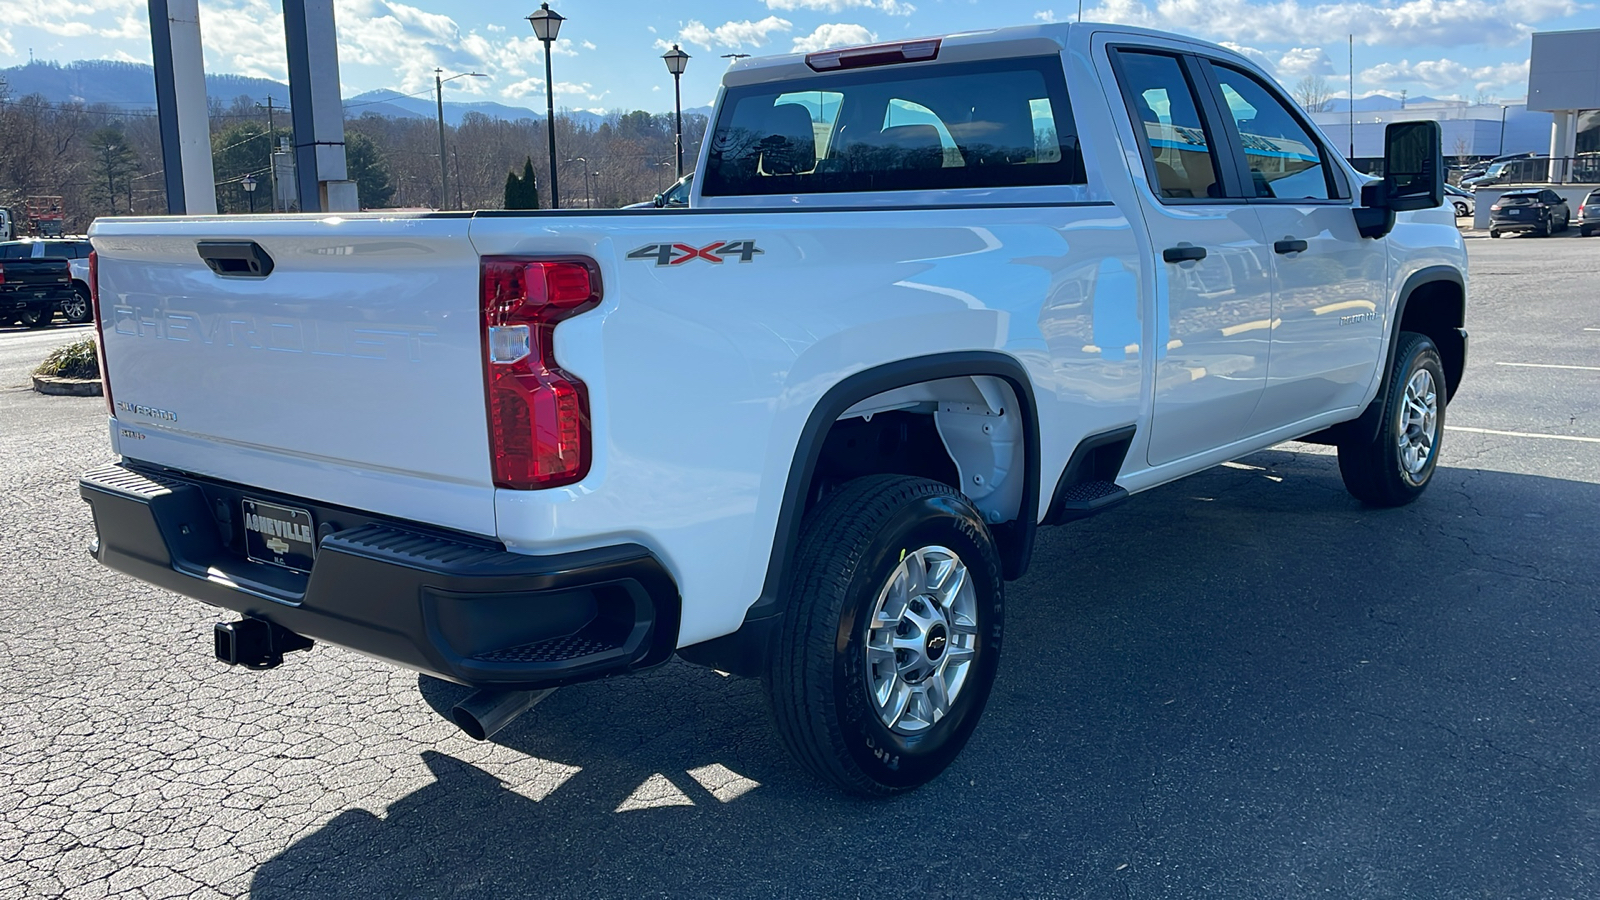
677	61
579	159
249	184
438	87
1502	130
546	24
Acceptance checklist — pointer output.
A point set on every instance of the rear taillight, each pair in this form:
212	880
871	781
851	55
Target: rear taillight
2	273
538	414
100	331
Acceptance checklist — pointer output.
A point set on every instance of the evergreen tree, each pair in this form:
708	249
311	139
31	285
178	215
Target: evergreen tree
522	192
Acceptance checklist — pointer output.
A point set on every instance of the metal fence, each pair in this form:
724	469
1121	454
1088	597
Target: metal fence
1581	169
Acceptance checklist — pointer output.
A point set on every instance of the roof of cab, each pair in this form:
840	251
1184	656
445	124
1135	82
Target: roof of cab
993	43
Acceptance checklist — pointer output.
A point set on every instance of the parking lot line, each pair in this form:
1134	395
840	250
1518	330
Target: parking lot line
1549	366
1524	434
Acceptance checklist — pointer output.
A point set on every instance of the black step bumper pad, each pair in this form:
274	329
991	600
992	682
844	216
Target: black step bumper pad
455	607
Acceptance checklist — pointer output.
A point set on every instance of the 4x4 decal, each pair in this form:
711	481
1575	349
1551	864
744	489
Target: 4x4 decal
714	252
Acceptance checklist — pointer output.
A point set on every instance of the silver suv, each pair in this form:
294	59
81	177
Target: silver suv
1588	218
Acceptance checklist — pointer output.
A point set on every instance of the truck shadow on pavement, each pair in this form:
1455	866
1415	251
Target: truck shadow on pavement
1241	684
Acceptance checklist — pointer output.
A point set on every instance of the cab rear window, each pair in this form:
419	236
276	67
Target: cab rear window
994	123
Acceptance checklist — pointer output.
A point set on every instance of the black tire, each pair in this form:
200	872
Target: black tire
1493	233
80	308
36	318
850	546
1584	231
1374	471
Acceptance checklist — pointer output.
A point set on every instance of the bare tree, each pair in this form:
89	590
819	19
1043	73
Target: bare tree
1482	98
1312	93
1463	149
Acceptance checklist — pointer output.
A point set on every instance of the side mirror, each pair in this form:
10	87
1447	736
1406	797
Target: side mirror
660	201
1413	165
1413	177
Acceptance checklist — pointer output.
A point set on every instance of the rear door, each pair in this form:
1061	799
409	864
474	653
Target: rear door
1329	282
351	374
1213	284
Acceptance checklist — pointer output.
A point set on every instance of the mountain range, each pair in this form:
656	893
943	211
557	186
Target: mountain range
132	86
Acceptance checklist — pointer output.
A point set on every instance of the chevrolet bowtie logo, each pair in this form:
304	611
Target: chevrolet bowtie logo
278	545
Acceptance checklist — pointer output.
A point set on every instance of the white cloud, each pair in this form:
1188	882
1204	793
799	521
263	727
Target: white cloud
1299	62
5	44
887	7
246	39
1447	74
731	34
835	35
1448	23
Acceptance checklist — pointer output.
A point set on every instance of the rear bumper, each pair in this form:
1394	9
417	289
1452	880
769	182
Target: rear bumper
455	607
26	301
1517	225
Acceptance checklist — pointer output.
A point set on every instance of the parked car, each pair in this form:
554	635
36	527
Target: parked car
78	308
1520	170
924	307
1589	214
33	290
1538	211
674	197
1463	201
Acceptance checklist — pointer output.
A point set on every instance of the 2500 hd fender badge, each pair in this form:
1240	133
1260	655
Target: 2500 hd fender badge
714	252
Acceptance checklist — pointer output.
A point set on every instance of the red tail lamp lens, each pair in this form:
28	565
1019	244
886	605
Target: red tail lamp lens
538	413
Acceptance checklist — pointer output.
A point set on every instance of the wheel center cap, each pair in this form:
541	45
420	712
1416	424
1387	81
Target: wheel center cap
938	639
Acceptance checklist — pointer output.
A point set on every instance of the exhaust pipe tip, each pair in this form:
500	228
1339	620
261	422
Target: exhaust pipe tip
483	714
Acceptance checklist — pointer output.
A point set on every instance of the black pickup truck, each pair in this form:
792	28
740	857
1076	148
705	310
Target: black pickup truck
32	290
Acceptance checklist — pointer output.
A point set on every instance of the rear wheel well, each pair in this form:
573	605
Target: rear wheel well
1438	309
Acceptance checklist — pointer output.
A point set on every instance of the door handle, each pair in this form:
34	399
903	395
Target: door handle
1183	254
1290	246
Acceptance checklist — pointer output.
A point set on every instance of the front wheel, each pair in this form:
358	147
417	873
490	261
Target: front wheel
79	309
1461	209
1395	468
1493	233
891	637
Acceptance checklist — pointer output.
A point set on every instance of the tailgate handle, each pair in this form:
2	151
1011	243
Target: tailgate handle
236	259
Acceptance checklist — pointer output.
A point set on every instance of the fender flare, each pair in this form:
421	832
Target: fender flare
743	651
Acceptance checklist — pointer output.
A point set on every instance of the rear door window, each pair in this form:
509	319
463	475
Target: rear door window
994	123
1178	145
15	251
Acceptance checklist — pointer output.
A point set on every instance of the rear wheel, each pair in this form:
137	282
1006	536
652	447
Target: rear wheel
1394	468
891	638
78	310
1584	231
1461	209
35	318
1493	233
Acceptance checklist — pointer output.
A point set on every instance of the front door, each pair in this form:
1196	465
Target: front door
1329	283
1213	275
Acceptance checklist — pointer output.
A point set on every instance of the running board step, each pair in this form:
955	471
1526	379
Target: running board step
1087	498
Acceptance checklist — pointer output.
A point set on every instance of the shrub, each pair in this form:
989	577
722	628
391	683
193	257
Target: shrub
78	359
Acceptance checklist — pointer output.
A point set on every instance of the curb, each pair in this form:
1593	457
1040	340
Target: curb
66	387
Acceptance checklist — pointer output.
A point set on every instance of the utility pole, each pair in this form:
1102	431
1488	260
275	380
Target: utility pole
1352	97
272	145
111	185
444	178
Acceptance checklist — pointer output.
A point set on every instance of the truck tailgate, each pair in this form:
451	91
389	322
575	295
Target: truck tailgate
351	373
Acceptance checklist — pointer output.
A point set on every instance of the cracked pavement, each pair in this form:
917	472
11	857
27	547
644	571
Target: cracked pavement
1238	685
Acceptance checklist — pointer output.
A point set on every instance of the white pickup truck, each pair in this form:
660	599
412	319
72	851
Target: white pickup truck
928	297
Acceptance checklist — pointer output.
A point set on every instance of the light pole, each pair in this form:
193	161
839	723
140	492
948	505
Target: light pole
677	61
438	88
546	24
585	178
1502	130
249	184
596	187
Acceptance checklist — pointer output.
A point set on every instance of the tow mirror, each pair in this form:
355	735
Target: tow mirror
1413	165
1413	177
660	201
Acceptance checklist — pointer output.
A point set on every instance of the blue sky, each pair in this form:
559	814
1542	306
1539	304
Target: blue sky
609	53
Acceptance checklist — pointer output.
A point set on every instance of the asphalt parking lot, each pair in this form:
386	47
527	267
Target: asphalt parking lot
1239	685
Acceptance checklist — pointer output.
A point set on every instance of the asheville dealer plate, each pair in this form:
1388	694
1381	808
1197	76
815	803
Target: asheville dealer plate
279	535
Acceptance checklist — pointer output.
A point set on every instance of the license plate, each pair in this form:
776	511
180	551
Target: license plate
279	535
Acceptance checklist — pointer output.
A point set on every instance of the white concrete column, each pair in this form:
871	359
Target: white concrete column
181	105
323	180
1563	144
